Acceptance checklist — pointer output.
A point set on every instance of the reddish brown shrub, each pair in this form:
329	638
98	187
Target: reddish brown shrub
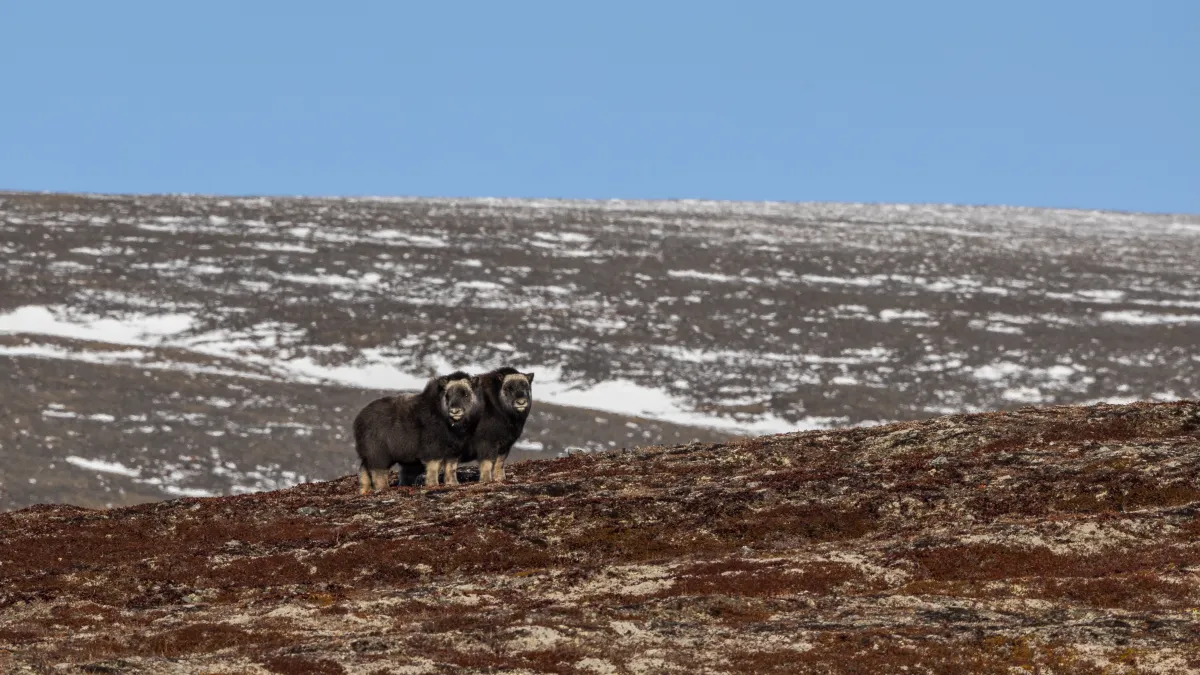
868	654
205	637
301	665
1142	591
732	578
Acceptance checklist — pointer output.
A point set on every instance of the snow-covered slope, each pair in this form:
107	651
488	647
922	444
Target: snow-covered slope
724	318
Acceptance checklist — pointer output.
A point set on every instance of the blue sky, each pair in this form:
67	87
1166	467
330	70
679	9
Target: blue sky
1036	103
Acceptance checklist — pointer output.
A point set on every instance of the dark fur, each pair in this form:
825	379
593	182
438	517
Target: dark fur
500	424
414	430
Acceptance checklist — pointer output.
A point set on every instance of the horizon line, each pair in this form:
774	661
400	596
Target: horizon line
585	200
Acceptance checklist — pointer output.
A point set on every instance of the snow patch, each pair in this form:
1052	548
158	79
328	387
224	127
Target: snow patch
841	281
480	285
134	329
706	276
281	247
629	398
102	466
564	237
902	314
1138	318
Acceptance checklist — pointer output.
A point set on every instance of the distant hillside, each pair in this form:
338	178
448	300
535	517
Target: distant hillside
159	346
1053	540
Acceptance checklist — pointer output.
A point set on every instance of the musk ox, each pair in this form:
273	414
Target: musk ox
507	399
427	428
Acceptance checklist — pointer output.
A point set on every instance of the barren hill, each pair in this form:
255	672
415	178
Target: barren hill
1053	540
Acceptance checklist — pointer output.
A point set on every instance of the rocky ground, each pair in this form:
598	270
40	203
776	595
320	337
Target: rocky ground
1051	540
162	346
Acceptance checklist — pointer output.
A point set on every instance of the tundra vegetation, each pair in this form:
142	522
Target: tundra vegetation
1052	540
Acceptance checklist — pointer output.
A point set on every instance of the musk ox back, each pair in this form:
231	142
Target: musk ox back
507	400
428	428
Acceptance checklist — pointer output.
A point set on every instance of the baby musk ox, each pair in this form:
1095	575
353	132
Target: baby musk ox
430	428
507	399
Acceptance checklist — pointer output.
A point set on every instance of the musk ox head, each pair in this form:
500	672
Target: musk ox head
516	392
457	396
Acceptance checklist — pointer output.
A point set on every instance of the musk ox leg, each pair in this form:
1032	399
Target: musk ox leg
431	472
364	481
381	478
485	470
451	471
409	473
498	470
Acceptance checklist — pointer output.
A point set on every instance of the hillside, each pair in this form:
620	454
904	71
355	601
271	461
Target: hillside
162	346
1053	540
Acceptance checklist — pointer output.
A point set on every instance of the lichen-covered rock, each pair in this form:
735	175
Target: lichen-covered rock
1054	540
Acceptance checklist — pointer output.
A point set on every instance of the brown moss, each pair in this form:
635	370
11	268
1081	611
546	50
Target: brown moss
810	522
287	532
986	562
771	580
301	665
20	636
1115	494
268	570
140	639
1116	428
608	544
559	659
736	611
870	653
950	589
363	562
1135	592
658	529
91	649
207	637
451	618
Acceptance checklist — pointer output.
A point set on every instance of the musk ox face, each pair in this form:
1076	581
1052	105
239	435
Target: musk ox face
516	391
457	397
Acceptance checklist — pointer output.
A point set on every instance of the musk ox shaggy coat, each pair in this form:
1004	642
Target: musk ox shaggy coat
427	428
507	400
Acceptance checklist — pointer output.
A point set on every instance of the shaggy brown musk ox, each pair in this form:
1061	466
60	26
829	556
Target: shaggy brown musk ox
507	400
431	428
